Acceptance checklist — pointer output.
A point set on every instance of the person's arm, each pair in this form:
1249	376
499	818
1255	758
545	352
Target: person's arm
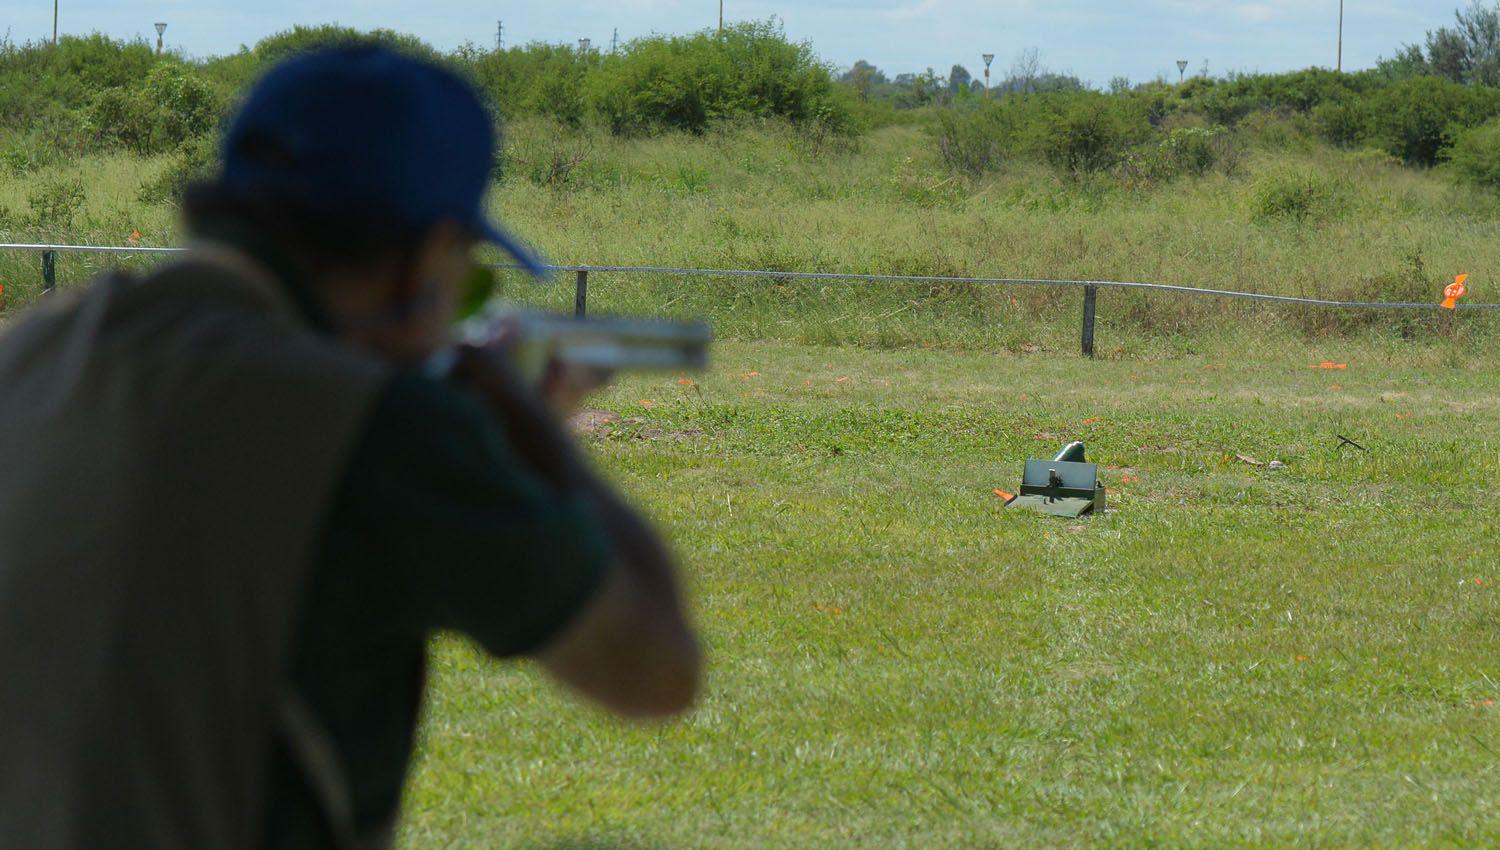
631	648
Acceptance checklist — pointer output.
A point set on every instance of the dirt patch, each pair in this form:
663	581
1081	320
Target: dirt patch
601	424
592	423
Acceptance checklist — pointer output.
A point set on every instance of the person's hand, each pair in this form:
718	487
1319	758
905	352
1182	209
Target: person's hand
534	429
566	385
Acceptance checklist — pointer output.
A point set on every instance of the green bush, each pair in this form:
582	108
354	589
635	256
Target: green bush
23	153
1087	132
971	143
1476	155
173	106
687	83
186	106
1417	119
1197	150
38	78
537	79
1078	133
56	203
120	117
196	161
1296	196
1341	123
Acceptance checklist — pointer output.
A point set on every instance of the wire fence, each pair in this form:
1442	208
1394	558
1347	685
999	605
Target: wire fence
939	300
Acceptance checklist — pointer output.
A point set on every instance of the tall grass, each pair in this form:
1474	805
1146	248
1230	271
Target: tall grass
768	195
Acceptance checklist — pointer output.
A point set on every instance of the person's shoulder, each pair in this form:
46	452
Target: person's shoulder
416	415
412	395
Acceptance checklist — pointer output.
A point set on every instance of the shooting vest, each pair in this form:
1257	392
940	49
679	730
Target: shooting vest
168	449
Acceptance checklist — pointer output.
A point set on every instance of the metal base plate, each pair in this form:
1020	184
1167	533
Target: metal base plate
1066	508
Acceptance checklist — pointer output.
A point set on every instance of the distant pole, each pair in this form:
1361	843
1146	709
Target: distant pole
1341	36
988	58
161	29
1181	70
721	17
499	35
583	45
614	41
54	23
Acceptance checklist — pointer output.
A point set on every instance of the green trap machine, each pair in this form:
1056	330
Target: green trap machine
1067	486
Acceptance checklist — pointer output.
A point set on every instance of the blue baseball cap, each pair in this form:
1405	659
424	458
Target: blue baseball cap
366	130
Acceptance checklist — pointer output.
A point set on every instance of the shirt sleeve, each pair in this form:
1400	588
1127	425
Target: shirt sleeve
445	528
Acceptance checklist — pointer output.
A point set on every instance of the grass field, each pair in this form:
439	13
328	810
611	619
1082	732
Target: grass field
1230	657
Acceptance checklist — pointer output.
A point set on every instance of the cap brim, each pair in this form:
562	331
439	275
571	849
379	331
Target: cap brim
523	255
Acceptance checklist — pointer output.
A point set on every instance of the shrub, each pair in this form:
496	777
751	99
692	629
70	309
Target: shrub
1277	130
1340	123
968	143
537	79
302	39
1417	119
1078	133
196	161
687	83
186	106
120	117
1295	196
1476	155
1086	133
56	203
546	154
1197	150
23	153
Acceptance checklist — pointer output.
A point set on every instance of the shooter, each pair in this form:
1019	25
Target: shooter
234	502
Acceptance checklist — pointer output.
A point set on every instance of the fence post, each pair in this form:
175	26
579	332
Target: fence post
49	272
1089	294
581	295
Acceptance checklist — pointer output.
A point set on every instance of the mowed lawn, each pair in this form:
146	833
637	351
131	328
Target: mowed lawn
1231	657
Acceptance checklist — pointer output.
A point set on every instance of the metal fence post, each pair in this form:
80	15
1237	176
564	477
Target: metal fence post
49	271
1090	293
581	295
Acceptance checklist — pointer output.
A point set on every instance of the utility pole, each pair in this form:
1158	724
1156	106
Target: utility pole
1341	37
161	29
988	58
499	35
721	17
614	41
1181	70
54	23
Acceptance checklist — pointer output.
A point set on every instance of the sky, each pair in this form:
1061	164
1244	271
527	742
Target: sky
1097	40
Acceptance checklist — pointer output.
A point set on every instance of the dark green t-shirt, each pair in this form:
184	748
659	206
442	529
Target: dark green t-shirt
436	526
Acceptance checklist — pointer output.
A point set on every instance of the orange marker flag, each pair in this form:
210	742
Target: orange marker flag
1456	290
135	236
2	295
1006	496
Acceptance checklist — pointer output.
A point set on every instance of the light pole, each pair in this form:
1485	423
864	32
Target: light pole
721	17
1181	70
1341	37
988	58
54	23
160	29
